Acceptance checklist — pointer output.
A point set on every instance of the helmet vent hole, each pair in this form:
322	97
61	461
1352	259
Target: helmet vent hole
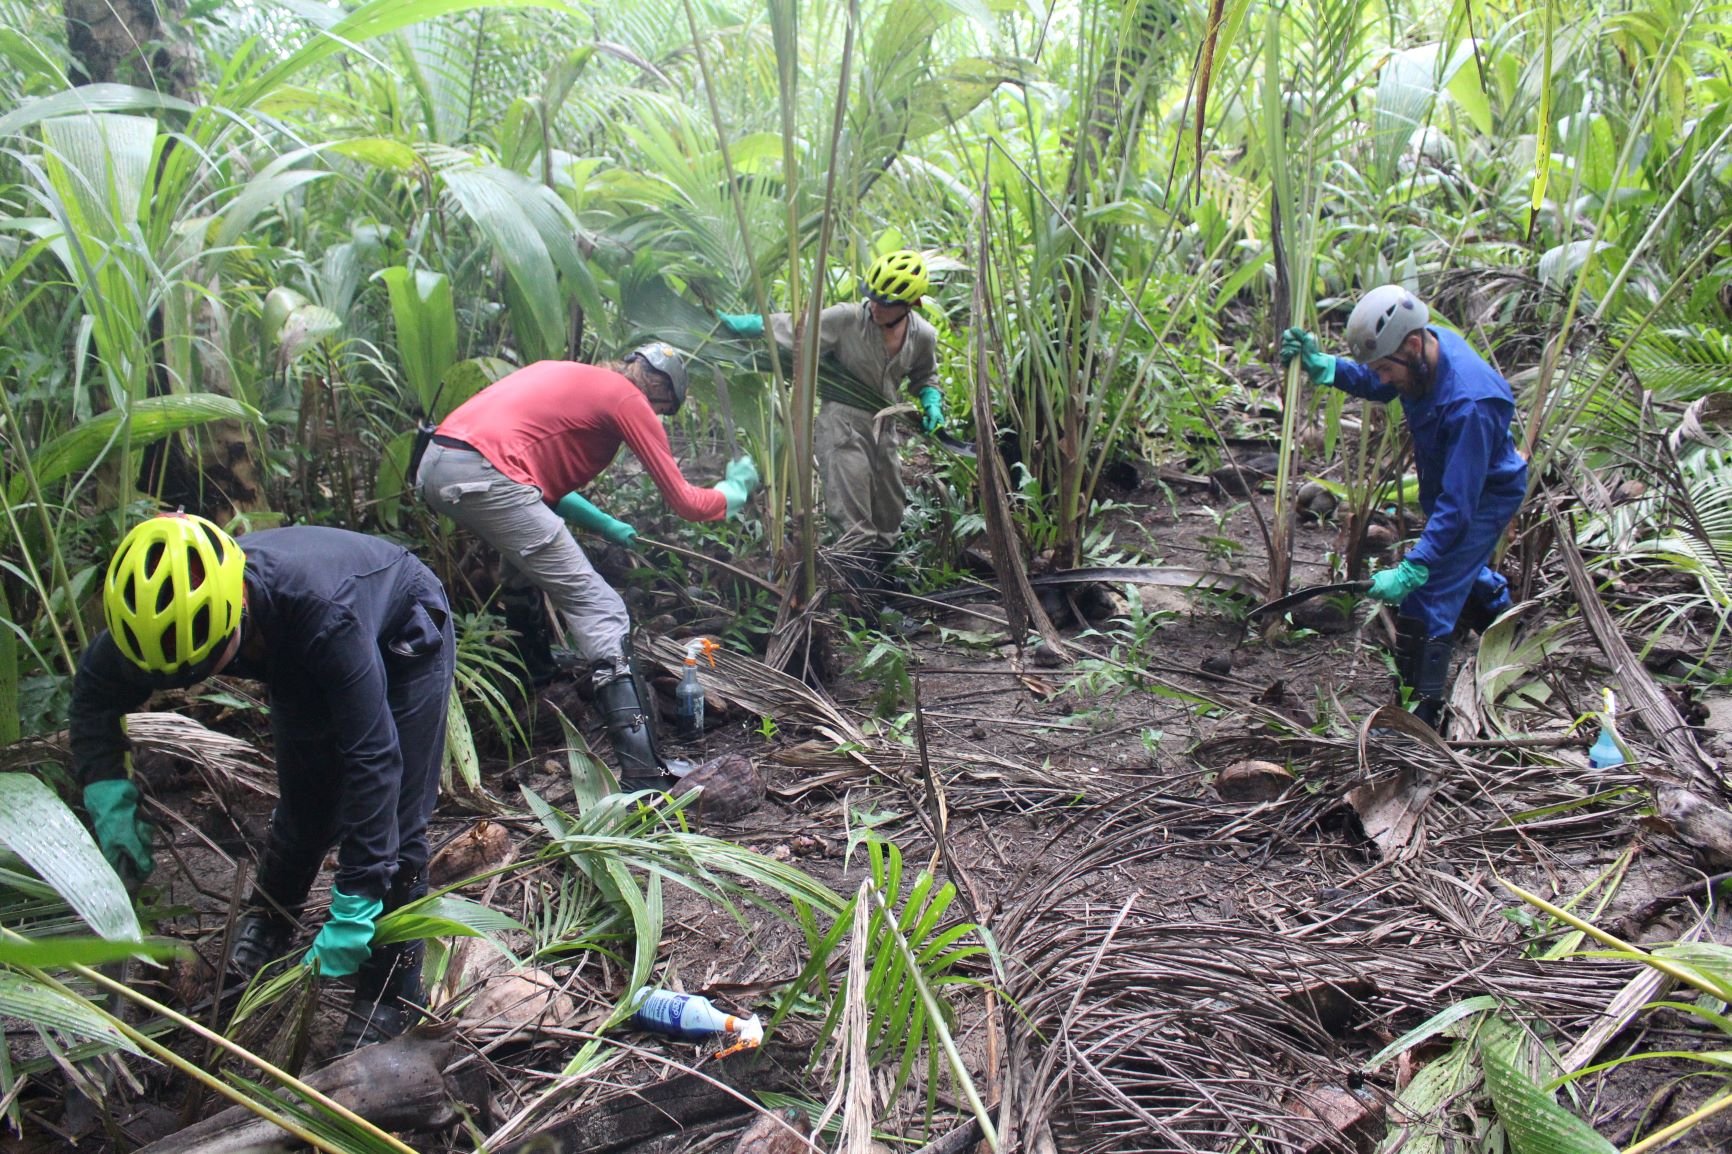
164	596
201	629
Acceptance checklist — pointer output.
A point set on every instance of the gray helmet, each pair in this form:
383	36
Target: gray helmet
666	360
1383	318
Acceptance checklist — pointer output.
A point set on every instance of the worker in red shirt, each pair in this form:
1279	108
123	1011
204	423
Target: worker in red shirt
507	464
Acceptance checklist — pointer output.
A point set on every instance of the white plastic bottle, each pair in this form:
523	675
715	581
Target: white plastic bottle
690	1017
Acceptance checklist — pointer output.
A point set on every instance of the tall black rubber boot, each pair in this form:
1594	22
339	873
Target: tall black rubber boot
388	995
525	617
629	715
388	990
267	921
1431	679
1409	641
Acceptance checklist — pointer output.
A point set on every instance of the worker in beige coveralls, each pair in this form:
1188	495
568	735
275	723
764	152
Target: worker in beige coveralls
866	351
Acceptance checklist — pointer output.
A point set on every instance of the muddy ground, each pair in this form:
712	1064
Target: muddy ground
1073	794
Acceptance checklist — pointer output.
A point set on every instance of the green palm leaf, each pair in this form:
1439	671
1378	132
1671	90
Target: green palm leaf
150	420
535	237
363	24
1534	1122
86	99
36	825
426	327
48	1009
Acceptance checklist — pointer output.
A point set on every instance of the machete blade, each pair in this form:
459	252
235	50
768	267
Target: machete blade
1300	596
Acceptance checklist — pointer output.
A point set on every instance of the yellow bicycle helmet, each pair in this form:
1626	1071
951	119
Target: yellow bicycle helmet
898	278
174	592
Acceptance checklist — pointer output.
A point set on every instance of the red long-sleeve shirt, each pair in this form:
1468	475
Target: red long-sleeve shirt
557	424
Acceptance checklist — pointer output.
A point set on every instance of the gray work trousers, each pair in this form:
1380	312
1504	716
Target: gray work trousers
533	541
862	473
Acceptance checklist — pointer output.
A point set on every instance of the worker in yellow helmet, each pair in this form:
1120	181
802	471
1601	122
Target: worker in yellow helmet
866	353
352	636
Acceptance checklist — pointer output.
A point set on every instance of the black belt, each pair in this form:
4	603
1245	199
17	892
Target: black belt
453	443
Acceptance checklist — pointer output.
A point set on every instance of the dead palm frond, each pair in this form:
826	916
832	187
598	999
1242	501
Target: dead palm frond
1140	1028
765	691
224	761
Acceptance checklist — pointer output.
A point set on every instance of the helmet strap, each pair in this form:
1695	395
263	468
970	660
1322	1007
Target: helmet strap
1420	375
907	309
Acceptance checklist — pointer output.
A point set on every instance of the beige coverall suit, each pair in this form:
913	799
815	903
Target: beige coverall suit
856	450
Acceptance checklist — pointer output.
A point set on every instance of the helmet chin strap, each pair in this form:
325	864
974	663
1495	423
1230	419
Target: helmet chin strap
1420	373
1419	376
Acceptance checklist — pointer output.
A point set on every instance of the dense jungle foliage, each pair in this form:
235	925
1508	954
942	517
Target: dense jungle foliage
246	244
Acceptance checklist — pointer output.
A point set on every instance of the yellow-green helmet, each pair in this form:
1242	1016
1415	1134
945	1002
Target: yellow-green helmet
898	278
174	592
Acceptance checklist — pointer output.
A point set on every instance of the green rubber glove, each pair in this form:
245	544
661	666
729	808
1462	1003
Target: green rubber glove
123	835
1392	586
931	409
742	324
574	508
346	938
741	479
1318	365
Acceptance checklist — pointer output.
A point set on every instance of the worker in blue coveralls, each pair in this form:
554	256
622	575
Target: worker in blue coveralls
1471	478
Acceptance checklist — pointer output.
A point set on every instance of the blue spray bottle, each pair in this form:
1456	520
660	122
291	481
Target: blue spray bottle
1606	752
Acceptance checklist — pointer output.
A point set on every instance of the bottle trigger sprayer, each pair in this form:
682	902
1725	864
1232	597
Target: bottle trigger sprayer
692	1018
689	696
1606	752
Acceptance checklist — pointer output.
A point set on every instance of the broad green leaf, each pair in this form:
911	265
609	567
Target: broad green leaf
449	916
1405	91
363	24
1466	90
534	236
380	152
36	825
466	378
1416	1126
45	1008
426	322
151	420
1432	1026
1710	959
270	186
103	168
89	98
1534	1122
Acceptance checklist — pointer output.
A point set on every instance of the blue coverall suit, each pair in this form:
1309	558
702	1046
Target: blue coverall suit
1471	479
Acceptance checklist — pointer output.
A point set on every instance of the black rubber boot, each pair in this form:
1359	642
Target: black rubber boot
1431	679
388	990
267	922
388	995
1409	641
626	710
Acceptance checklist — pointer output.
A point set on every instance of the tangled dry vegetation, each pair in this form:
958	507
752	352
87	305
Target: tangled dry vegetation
1190	955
